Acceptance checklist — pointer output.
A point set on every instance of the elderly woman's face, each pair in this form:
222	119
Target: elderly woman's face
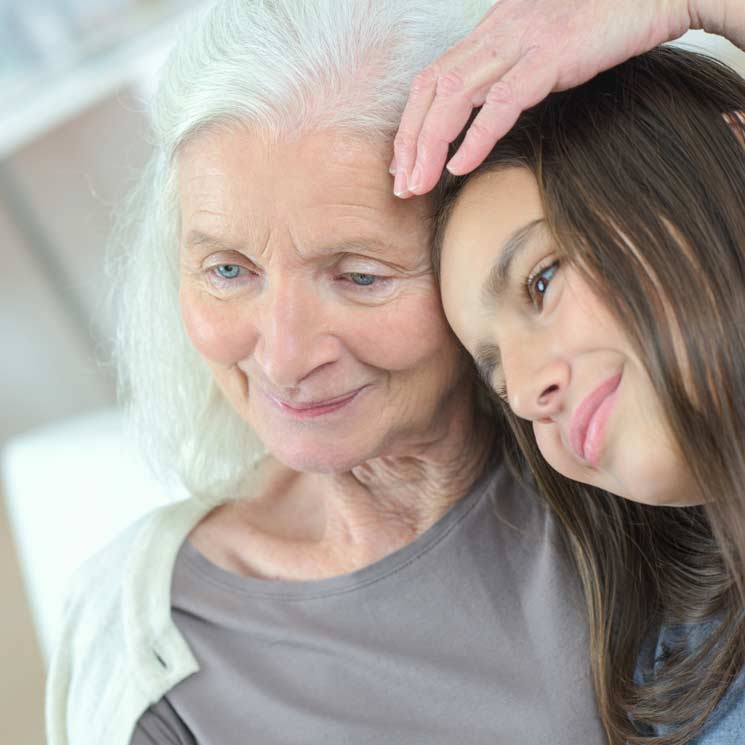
306	286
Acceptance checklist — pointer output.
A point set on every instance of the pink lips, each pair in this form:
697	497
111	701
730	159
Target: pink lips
314	409
588	424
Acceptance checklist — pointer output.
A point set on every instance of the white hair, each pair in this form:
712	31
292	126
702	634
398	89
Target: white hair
281	68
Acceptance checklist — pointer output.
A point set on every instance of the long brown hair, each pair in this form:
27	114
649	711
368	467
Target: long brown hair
642	182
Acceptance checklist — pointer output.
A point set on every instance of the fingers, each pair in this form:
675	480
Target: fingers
499	113
520	52
440	101
421	95
449	112
443	121
525	85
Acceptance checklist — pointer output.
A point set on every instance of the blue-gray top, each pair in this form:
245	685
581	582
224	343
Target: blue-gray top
726	726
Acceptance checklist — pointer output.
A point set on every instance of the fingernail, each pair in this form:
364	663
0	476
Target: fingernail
454	165
399	185
416	178
392	167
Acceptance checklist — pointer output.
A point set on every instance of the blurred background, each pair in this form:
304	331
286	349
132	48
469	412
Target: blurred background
75	80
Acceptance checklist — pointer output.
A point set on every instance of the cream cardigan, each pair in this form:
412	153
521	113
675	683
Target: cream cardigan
119	651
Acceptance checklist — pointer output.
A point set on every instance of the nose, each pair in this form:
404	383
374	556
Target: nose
295	334
536	384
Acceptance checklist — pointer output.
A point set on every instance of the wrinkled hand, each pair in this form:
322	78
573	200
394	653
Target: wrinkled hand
520	52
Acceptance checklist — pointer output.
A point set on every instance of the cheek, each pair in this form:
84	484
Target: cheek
408	332
457	300
215	328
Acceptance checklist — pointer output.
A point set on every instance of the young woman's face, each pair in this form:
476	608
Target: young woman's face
549	346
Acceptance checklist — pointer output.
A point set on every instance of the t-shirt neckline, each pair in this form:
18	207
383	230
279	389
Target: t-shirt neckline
194	560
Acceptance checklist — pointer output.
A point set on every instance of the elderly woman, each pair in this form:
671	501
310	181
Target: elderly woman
375	575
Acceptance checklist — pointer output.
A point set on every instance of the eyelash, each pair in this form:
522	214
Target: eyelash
225	282
531	295
378	282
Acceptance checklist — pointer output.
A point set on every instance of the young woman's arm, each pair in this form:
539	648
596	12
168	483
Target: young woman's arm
520	52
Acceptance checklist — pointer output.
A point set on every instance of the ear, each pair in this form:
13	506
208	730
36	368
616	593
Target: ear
736	121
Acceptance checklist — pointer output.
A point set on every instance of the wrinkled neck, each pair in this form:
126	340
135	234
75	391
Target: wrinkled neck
387	502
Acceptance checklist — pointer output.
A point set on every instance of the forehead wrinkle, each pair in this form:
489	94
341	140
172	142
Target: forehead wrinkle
497	280
198	240
373	246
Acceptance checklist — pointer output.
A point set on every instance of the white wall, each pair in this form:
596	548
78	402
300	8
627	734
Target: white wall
700	41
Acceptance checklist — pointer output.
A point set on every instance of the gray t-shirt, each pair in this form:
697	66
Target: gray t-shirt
475	633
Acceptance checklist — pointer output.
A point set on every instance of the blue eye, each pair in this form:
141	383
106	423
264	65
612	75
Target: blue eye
228	271
363	280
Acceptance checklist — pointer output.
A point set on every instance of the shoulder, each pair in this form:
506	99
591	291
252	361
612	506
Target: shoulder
520	531
726	725
97	584
101	674
519	505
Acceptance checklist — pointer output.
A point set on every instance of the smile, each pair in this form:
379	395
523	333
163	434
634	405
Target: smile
314	409
589	423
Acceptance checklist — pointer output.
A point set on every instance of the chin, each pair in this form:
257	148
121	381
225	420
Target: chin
319	457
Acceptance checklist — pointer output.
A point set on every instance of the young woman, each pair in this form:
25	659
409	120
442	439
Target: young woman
594	267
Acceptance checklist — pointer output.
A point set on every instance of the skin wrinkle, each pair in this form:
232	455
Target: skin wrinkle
201	241
361	246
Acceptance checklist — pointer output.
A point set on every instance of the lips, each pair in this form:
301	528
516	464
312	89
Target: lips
587	428
311	409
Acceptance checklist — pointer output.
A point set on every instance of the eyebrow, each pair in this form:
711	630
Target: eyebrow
487	359
197	239
498	277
